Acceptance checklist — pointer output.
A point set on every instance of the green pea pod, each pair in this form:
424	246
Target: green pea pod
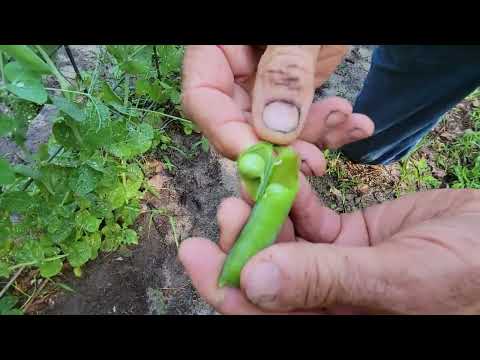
270	175
27	57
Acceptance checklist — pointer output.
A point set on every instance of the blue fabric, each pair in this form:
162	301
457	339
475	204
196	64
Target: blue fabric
406	92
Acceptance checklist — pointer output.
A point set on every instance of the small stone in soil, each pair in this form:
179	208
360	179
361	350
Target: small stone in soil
363	188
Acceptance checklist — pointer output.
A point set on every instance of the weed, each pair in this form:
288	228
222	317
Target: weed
416	174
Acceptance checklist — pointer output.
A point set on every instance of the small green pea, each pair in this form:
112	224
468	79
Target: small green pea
251	166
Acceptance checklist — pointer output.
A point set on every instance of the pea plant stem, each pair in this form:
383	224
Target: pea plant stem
126	90
31	297
61	79
163	114
12	280
1	68
57	257
95	73
155	59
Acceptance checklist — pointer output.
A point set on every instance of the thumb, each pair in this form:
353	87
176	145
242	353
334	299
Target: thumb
302	275
283	91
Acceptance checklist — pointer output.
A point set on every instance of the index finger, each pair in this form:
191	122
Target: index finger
207	98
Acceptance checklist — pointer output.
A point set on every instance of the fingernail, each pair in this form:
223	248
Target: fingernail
356	134
281	116
262	283
335	118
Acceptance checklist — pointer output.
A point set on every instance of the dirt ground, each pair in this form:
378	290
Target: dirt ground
148	278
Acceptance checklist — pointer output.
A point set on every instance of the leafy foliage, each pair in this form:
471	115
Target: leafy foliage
80	194
7	306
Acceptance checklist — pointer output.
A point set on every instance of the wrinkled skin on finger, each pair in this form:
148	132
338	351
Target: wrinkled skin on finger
414	255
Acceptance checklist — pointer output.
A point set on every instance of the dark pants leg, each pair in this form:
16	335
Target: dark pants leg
407	90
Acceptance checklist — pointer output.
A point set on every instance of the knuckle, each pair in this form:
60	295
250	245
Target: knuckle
288	72
320	284
378	291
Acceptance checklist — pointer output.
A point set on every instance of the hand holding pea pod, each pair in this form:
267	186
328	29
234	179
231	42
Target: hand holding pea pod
415	255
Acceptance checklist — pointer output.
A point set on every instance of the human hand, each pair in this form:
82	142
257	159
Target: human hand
415	255
241	94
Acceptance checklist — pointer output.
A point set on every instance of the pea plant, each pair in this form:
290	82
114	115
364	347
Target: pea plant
80	193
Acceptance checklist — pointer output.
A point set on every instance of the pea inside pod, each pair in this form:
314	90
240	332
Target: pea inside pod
270	174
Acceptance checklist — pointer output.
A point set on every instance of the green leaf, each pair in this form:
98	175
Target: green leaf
155	120
170	59
135	67
60	229
26	85
128	213
16	201
7	305
54	179
51	268
205	145
69	108
78	253
100	208
156	92
30	251
133	59
118	51
142	87
64	232
42	153
96	162
48	246
7	125
26	171
117	196
4	270
130	237
109	96
95	242
113	237
50	49
139	140
87	221
4	229
67	135
7	176
98	131
174	95
77	271
187	128
27	57
83	180
110	177
134	180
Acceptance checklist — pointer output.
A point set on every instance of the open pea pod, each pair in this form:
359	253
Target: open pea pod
270	174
